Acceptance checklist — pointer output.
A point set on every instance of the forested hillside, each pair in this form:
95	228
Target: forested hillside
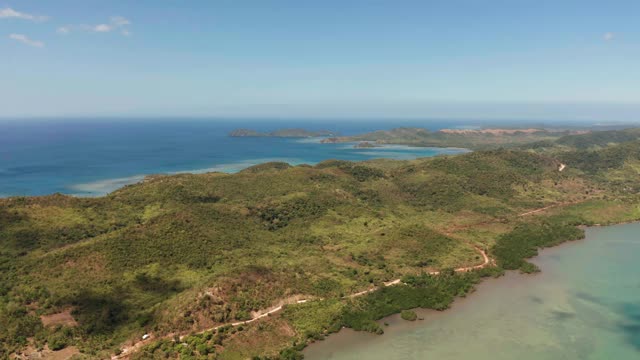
177	255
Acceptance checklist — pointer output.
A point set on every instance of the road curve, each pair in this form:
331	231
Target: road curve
126	351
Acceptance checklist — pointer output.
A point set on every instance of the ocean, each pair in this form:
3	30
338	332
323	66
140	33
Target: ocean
584	305
92	157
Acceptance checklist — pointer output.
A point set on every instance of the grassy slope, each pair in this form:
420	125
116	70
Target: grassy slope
186	252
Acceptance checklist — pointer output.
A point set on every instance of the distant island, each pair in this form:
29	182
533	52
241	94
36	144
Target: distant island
293	133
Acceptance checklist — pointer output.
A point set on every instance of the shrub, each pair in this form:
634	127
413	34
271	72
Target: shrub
57	342
408	315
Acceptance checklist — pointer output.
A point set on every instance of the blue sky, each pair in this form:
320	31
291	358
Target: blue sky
538	59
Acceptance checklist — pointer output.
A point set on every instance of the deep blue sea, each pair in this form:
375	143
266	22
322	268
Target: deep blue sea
91	157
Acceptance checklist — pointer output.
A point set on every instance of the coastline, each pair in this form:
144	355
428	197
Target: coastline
394	324
128	350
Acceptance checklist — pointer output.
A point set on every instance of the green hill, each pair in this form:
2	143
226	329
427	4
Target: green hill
589	141
183	253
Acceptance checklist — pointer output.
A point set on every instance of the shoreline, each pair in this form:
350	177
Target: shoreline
127	350
348	335
397	325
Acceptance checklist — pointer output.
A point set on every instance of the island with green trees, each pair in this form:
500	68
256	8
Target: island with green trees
260	263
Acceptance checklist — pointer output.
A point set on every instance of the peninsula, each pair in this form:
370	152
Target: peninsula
471	139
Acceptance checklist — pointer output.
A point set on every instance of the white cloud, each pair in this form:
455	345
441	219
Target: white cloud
26	40
116	23
64	30
9	13
608	36
102	28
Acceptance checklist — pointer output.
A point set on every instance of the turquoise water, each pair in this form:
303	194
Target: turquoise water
584	305
93	157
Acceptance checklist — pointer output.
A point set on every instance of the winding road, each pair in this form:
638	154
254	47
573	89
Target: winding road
128	350
485	263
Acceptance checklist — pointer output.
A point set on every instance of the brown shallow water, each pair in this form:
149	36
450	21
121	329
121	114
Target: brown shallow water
584	305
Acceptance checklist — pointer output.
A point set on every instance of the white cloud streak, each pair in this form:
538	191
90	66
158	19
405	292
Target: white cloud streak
9	13
64	30
116	23
608	36
26	40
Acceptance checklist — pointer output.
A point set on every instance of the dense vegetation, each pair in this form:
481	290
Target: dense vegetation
588	141
599	139
525	239
184	253
594	161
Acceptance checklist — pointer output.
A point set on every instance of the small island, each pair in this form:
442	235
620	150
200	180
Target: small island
292	133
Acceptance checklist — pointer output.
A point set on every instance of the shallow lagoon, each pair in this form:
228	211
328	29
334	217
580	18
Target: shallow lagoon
584	305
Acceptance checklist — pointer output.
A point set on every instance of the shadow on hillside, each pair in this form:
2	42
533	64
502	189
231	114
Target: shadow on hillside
99	314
